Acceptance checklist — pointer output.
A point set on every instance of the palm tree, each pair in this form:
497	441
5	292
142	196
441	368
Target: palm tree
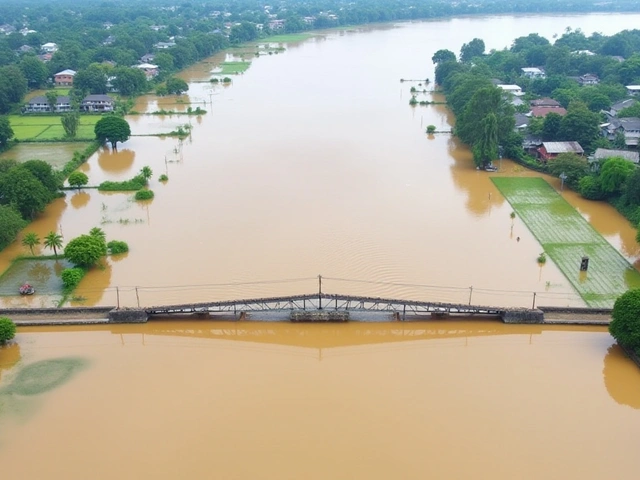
99	233
146	173
53	241
30	240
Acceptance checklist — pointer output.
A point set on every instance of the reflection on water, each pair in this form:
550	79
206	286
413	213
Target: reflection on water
116	161
80	199
355	400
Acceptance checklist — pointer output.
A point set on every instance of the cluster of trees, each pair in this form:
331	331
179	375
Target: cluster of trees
7	330
625	324
25	191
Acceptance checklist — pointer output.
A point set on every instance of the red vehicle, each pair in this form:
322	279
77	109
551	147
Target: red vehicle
27	289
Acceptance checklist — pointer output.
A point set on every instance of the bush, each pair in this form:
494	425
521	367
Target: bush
590	189
85	250
71	277
115	246
542	258
625	326
226	80
431	129
78	179
131	185
163	178
144	194
7	329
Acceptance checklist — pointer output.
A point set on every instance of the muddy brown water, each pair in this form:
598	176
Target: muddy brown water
312	162
247	400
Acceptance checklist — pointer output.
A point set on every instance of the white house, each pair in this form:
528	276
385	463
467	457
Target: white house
512	89
533	72
49	47
633	89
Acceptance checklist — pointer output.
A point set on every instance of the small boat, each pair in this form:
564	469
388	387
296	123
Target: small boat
27	289
490	168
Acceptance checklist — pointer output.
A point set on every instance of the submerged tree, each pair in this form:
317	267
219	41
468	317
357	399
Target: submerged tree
30	240
53	241
112	129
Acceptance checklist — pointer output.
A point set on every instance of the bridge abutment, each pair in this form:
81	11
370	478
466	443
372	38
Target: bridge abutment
522	315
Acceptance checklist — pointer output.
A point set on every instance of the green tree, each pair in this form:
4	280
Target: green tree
6	132
129	81
30	240
442	56
572	165
10	224
580	125
34	71
471	125
599	102
475	48
176	86
146	173
632	187
551	127
71	277
620	141
92	79
590	188
78	179
614	173
112	129
20	188
53	241
85	250
45	175
52	99
98	233
625	324
70	122
486	150
7	330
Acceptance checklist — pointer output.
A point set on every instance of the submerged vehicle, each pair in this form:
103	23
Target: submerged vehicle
27	289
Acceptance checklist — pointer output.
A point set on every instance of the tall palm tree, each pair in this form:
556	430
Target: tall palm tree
146	173
30	240
99	233
53	241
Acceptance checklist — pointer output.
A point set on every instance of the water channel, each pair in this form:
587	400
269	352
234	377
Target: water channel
312	162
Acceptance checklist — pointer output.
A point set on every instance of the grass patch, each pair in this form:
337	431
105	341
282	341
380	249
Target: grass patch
132	185
287	38
230	68
566	237
48	127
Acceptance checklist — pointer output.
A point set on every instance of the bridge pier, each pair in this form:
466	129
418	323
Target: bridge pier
128	315
522	315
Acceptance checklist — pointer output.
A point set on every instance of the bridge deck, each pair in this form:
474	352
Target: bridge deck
325	301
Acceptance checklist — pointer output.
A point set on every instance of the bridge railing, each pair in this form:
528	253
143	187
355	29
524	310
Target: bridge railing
147	296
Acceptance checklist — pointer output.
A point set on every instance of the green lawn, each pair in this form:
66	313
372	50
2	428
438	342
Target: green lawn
286	38
566	236
48	127
231	68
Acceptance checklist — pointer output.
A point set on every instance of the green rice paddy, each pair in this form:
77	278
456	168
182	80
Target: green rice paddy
566	237
231	68
286	38
48	127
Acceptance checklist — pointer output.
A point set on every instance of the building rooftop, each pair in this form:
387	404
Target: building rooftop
602	153
562	147
544	111
66	72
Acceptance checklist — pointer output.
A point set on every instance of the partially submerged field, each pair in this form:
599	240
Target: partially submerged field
566	237
49	127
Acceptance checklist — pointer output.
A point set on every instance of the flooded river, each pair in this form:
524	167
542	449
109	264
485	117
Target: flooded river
312	162
459	399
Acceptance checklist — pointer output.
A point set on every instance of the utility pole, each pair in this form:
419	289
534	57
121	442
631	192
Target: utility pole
319	292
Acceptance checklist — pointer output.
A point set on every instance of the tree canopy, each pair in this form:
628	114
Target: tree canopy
112	129
85	250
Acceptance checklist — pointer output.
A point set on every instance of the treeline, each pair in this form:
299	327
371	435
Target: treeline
25	190
485	115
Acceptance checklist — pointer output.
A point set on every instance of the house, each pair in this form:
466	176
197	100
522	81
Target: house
588	79
97	103
603	153
27	31
148	58
533	73
45	57
64	78
617	57
276	24
512	89
25	49
583	52
550	150
49	48
545	102
7	29
156	28
41	105
531	143
544	111
109	40
630	127
617	107
633	89
164	45
149	69
522	121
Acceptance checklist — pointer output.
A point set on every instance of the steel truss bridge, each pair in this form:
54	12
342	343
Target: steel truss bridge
326	302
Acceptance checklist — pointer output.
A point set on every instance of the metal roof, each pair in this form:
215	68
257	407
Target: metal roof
562	147
602	153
